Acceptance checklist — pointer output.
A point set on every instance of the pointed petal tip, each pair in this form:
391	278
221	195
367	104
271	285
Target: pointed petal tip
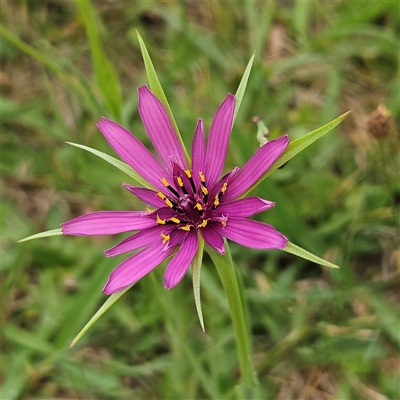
171	283
271	204
106	291
168	286
143	87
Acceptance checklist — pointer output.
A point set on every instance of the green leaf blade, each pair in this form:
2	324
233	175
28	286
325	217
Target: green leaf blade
107	304
104	72
242	87
157	89
52	232
298	251
116	163
196	268
296	146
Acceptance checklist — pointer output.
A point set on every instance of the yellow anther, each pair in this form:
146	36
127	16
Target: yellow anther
202	177
160	221
185	228
168	203
165	182
204	190
179	180
148	209
188	173
199	206
216	201
203	224
223	190
176	220
223	223
165	238
161	195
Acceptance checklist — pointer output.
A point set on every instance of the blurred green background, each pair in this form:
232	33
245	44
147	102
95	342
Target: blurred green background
317	333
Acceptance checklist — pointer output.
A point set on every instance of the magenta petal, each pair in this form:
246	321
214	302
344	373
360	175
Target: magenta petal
140	239
213	238
198	151
258	164
254	234
245	207
132	151
218	140
178	236
178	266
107	223
135	267
159	128
146	195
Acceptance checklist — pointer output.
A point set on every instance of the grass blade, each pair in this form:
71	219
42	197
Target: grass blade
103	69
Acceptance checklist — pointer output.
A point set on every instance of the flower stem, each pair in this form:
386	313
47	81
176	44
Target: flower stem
234	292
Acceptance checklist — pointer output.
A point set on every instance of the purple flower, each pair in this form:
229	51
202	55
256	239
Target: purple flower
187	200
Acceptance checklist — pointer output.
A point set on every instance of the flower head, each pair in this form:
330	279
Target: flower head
187	200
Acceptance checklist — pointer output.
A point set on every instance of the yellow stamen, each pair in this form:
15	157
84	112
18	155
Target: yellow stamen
185	228
223	190
203	224
168	202
216	201
161	221
161	195
148	209
223	223
188	173
165	182
179	180
204	190
165	238
202	177
199	206
176	220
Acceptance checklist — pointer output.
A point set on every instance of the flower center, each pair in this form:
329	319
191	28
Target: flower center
191	202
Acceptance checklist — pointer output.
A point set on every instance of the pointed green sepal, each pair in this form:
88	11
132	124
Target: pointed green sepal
242	87
196	268
298	251
157	89
116	163
299	145
107	304
53	232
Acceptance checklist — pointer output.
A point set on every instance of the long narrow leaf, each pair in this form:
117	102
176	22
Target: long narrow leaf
53	232
298	145
242	86
74	79
157	89
107	304
103	69
116	163
196	268
298	251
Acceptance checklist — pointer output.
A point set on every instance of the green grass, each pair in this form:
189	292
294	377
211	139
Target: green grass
316	333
